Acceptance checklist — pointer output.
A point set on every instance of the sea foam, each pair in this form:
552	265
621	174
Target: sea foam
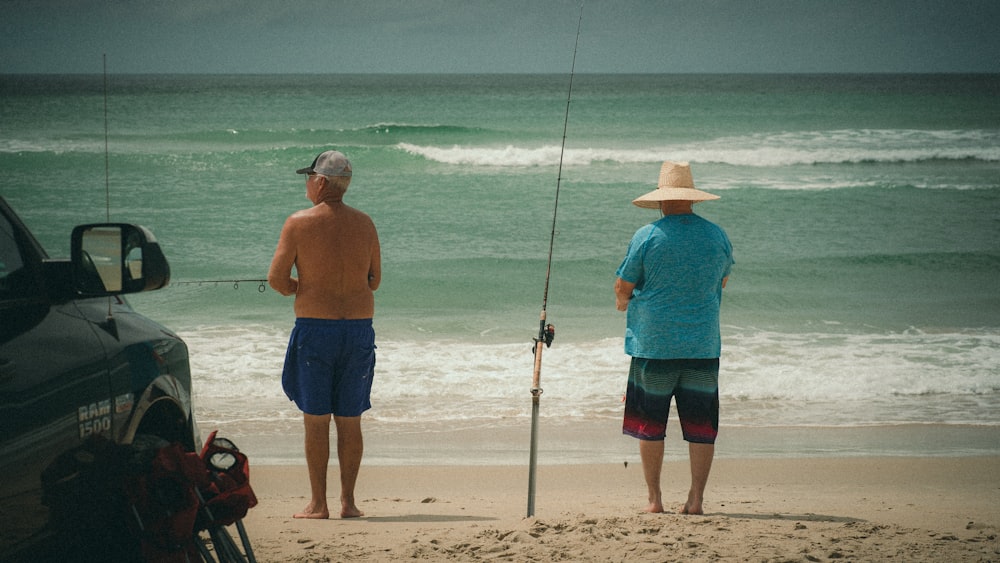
767	378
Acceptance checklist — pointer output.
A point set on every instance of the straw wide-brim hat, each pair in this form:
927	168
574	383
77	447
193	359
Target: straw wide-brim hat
676	184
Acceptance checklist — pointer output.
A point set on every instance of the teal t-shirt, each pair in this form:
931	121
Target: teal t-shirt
677	265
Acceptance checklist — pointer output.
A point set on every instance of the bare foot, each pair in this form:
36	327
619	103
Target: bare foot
692	508
351	512
654	508
313	513
655	504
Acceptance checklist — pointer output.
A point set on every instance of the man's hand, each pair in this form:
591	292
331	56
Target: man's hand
623	293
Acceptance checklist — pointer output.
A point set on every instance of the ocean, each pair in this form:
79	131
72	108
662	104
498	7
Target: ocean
862	316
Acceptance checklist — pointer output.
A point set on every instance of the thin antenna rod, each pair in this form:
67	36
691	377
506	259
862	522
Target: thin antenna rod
547	332
107	182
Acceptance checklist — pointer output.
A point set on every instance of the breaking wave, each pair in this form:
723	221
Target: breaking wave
759	150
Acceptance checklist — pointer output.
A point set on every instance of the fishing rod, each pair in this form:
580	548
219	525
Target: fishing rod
236	283
107	196
546	332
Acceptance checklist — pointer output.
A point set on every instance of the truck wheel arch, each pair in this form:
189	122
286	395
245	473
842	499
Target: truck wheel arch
164	410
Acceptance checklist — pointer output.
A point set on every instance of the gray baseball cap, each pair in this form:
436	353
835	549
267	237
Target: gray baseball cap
329	163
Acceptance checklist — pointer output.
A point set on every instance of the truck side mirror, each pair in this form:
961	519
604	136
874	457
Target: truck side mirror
116	258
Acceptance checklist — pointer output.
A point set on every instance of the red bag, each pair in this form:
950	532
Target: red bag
227	495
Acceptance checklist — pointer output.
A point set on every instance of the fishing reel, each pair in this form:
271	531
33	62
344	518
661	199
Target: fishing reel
546	334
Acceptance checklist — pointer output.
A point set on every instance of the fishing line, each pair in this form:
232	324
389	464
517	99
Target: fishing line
546	332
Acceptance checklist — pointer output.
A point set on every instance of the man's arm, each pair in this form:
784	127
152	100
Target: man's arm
623	293
279	275
375	269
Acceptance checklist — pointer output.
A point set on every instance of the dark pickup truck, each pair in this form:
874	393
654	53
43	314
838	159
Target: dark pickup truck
77	362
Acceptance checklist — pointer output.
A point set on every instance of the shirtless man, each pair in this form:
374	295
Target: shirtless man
330	360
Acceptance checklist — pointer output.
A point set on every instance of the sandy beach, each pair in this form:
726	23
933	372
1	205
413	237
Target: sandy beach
805	509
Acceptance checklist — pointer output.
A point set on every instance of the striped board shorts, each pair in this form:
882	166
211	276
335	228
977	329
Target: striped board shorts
693	383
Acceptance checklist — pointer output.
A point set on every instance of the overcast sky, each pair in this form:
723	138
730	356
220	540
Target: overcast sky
490	36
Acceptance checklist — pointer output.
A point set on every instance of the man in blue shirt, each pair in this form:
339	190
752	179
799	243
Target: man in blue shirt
670	283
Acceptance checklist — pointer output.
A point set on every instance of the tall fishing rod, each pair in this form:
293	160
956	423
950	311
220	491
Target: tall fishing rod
546	332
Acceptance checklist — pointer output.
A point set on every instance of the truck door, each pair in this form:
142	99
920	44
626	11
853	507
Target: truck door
54	387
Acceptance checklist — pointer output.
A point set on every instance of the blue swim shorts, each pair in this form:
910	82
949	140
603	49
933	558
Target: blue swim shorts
329	366
694	384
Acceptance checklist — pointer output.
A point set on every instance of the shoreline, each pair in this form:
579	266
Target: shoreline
814	509
599	441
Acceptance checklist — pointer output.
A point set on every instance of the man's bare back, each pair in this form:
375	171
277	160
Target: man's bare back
335	251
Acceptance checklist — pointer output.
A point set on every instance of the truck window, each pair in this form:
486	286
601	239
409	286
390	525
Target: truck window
14	276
